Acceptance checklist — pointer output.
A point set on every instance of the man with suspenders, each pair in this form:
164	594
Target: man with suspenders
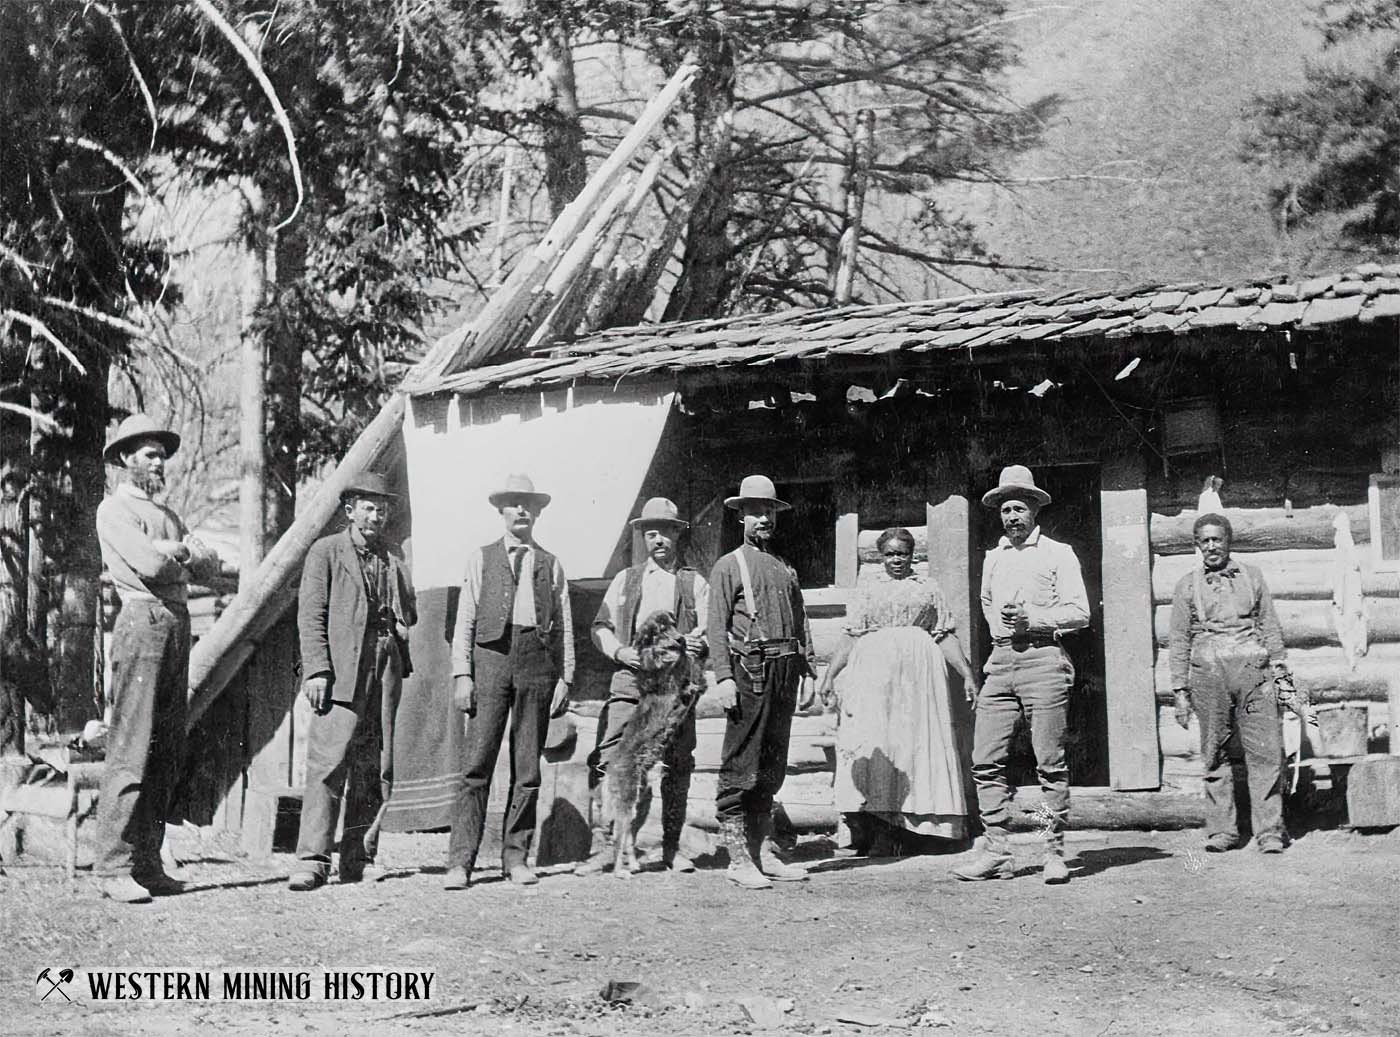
762	651
659	583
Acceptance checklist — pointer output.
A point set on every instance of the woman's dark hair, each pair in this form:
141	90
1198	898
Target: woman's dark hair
895	533
1210	518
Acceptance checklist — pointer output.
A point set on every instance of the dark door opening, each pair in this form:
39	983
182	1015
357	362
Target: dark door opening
1073	517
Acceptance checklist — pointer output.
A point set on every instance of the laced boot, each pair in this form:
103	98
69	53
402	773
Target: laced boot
742	870
761	840
991	861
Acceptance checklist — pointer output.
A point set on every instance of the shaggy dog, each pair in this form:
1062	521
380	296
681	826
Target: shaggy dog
669	683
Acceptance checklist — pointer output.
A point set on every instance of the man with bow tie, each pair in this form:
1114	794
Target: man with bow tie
512	664
1228	663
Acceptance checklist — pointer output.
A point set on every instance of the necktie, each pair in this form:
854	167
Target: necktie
517	560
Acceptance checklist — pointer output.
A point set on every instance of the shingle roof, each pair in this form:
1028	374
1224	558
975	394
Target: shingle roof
1367	293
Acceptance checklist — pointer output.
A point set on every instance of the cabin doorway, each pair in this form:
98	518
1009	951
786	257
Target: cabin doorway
1073	517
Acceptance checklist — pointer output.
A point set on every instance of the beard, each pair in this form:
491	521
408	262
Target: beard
147	481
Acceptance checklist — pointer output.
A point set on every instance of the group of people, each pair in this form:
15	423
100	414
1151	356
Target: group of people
899	767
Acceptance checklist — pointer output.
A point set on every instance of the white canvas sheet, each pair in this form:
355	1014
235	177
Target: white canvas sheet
589	449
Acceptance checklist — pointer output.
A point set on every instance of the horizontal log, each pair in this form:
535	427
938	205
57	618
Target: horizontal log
869	538
1309	623
1289	573
1323	674
1263	529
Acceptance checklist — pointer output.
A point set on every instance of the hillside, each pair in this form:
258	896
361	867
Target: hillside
1154	90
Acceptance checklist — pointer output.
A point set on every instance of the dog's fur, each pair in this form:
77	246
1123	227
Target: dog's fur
669	683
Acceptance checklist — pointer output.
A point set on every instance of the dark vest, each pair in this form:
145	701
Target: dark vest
493	610
683	608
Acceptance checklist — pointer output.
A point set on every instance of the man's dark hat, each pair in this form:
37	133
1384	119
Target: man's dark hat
368	484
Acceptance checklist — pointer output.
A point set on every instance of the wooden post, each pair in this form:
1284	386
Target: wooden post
1134	757
847	549
862	149
950	561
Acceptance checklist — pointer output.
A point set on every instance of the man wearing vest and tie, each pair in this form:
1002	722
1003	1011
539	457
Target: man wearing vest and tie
658	583
512	664
762	651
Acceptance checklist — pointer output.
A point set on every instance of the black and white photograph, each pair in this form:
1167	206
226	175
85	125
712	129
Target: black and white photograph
613	518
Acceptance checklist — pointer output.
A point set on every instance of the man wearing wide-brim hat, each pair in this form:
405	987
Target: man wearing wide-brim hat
150	558
512	665
354	608
660	582
762	653
1032	594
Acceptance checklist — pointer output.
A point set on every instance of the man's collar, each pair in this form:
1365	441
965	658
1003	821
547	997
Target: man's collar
652	565
359	543
1031	540
512	541
132	490
1229	570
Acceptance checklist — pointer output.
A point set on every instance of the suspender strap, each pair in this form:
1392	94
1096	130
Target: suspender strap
750	599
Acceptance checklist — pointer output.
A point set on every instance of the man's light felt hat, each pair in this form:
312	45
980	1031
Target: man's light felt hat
136	427
1016	481
659	511
368	484
518	487
760	488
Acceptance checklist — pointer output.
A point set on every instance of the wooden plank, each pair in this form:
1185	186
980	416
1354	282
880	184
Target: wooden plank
847	548
1264	529
1134	759
1289	573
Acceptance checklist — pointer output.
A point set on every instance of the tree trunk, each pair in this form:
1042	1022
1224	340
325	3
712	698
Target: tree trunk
284	352
565	169
252	398
705	276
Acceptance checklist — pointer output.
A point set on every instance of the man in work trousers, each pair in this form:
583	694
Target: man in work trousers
150	557
659	583
762	652
1225	641
512	660
355	607
1032	593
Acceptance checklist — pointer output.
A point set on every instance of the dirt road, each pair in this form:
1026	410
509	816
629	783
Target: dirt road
1151	937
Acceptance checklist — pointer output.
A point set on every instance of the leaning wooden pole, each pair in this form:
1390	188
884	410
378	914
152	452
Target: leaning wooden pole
266	594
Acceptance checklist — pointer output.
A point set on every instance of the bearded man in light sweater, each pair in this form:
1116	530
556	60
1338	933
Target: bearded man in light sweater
151	558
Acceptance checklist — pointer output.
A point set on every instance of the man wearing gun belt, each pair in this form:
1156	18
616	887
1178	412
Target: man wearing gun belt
355	606
1229	665
762	653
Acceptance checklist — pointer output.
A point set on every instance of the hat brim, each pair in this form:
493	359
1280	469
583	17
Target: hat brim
643	523
734	502
507	496
995	498
361	491
112	454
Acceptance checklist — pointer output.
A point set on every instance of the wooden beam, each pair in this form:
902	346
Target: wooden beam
1264	529
847	549
1134	758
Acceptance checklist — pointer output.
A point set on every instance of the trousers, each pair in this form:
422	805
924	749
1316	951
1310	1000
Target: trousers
753	759
515	678
677	764
350	759
1036	682
1232	691
146	739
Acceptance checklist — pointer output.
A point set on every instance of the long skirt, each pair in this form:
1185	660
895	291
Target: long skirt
896	750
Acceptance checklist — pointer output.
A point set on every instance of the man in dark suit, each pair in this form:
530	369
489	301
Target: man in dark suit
356	606
512	663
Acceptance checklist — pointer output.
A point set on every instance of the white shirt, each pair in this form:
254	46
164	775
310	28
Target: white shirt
1043	575
658	594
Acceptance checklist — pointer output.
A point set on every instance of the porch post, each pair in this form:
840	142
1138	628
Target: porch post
950	562
1134	756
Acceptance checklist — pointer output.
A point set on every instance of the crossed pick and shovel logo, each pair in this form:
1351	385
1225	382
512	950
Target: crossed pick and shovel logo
48	984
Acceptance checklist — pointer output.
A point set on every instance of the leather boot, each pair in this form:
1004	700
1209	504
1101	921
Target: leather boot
991	861
1055	872
761	841
742	870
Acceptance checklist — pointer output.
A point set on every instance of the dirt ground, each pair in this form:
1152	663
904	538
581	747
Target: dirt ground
1151	937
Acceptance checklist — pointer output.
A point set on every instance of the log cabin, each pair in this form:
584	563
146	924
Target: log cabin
1123	403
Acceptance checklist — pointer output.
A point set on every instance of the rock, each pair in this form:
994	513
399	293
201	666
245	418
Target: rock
629	992
766	1012
861	1017
1086	968
933	1019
